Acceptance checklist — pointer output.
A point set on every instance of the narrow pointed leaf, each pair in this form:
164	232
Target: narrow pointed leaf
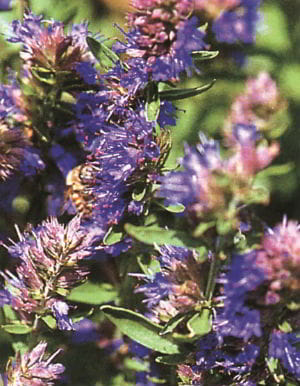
172	360
50	321
176	94
203	227
106	57
150	268
153	102
179	208
173	323
204	55
141	329
17	328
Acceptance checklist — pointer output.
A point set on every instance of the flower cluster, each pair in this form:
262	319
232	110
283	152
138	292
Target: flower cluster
177	288
210	186
17	153
233	20
258	105
252	283
50	257
163	35
279	258
33	369
45	45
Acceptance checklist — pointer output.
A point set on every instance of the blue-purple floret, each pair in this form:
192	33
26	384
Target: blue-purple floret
26	30
157	288
234	26
185	186
244	324
281	347
211	354
170	255
166	116
170	66
160	285
5	5
245	134
87	71
243	276
7	102
236	319
5	297
133	77
60	310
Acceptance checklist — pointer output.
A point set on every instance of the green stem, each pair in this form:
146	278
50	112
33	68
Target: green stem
213	271
23	6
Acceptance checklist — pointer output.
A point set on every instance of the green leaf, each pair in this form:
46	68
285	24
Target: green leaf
272	364
173	323
224	226
276	170
204	55
203	227
50	321
156	380
275	34
44	75
91	293
132	364
141	329
179	208
17	328
139	195
176	94
171	359
9	313
285	327
201	323
106	57
293	306
62	291
20	347
153	102
148	268
112	237
152	235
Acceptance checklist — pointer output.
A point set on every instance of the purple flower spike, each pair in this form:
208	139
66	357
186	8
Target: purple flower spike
46	45
177	288
238	25
279	259
164	37
50	257
196	186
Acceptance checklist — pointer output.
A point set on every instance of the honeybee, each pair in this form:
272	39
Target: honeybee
79	183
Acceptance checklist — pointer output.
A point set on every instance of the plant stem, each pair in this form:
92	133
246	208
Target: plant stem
213	271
